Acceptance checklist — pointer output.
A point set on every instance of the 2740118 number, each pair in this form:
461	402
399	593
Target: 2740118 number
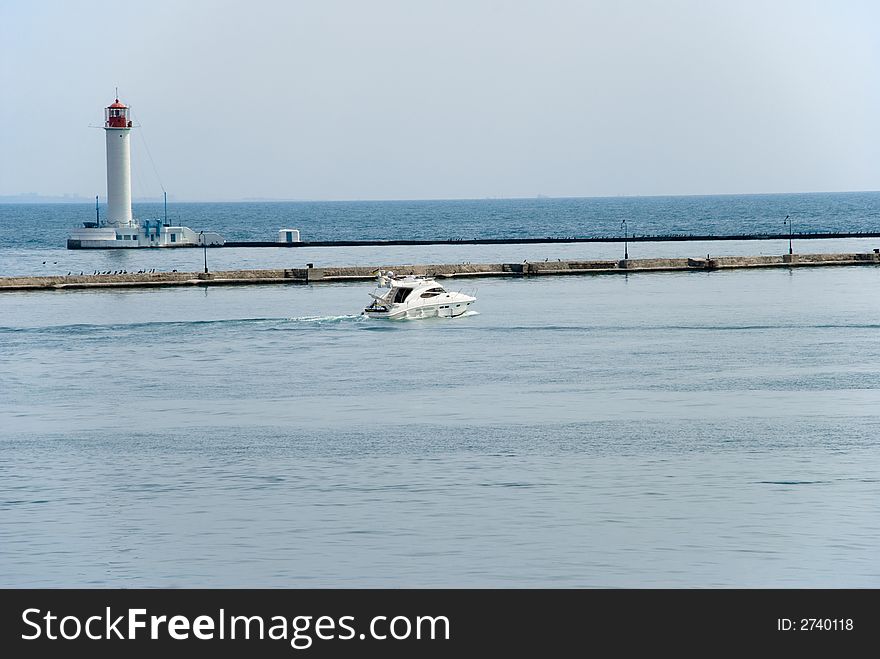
814	624
826	624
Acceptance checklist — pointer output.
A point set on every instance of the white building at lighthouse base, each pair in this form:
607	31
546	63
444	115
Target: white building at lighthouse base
146	233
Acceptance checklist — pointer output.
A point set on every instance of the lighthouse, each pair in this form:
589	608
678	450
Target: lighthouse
119	229
117	127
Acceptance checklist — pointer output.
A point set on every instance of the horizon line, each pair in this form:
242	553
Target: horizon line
69	198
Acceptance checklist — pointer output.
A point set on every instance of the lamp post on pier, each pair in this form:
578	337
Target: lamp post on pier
788	222
204	244
625	244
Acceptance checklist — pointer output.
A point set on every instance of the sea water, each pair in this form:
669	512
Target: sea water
677	429
692	429
33	237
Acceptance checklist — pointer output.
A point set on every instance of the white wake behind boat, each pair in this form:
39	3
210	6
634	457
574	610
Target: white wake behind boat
414	297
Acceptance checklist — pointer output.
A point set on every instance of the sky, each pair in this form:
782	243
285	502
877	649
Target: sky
425	99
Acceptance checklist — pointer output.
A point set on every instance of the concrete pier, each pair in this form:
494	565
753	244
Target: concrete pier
454	270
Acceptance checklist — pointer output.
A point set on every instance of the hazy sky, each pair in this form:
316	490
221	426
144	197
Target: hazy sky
376	99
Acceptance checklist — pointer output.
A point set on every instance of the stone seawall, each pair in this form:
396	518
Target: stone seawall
363	273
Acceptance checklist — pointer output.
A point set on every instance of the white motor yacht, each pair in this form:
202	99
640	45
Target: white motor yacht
414	297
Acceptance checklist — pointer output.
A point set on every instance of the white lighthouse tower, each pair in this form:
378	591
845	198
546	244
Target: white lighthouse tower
117	127
119	229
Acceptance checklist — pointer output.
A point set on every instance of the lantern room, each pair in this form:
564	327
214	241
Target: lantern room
116	115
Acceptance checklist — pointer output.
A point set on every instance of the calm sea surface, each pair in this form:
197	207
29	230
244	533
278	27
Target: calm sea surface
680	429
33	237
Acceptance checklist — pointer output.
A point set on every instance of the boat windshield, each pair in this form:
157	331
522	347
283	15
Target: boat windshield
401	295
433	292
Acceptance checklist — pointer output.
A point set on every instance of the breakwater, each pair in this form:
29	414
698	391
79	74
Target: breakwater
554	239
309	275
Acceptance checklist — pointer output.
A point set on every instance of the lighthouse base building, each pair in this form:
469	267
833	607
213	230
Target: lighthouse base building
120	229
146	233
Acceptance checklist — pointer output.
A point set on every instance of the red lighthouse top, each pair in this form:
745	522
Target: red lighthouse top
116	115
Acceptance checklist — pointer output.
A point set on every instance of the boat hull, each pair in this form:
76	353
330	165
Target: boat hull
447	310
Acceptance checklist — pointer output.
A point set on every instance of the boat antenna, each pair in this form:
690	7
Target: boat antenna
165	195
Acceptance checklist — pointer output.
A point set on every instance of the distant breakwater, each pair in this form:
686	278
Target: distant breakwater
310	275
558	239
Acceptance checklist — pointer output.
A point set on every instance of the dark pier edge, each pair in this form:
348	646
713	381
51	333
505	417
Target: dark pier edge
550	239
